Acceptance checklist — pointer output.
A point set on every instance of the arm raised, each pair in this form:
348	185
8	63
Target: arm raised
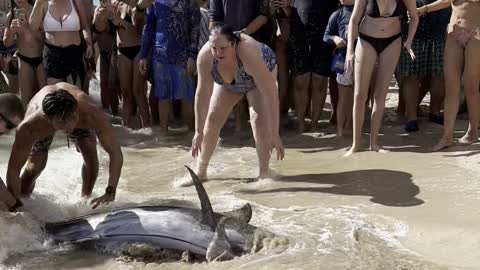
38	13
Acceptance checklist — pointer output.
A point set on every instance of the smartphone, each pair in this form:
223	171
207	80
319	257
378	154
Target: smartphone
21	14
275	3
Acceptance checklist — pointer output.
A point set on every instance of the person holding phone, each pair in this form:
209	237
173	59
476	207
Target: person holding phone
8	63
104	32
129	22
67	39
30	48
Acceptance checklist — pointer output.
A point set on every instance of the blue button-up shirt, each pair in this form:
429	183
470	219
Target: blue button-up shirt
171	31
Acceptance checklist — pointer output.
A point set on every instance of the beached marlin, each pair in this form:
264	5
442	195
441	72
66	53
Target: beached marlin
201	232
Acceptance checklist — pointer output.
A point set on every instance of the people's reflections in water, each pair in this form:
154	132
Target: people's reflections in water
387	187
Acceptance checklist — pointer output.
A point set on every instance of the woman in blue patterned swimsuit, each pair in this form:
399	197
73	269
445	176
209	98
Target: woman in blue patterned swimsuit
229	67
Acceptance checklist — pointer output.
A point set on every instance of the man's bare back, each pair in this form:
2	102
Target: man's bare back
63	107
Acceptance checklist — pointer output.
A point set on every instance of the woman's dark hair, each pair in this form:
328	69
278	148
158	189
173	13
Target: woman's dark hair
227	31
59	104
13	5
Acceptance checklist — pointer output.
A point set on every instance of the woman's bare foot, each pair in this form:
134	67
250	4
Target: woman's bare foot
351	151
377	148
468	138
264	175
442	144
188	181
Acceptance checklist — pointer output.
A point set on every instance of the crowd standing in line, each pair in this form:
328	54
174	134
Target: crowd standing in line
211	57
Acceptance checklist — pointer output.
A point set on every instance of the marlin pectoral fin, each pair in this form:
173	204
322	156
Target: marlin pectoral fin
219	248
242	215
208	216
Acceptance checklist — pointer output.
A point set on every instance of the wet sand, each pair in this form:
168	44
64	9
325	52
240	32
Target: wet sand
404	209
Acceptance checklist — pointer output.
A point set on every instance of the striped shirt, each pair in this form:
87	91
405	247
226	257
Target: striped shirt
204	33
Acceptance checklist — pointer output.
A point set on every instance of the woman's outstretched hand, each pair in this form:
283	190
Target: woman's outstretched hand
278	146
197	144
349	60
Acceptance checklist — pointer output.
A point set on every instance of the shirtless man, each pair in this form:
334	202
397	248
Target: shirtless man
11	114
63	107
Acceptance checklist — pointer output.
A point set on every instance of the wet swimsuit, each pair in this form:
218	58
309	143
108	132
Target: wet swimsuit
244	82
32	61
380	44
78	134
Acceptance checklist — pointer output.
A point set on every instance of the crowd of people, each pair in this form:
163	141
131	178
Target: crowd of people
257	59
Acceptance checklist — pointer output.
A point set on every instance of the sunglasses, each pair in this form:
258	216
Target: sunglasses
8	123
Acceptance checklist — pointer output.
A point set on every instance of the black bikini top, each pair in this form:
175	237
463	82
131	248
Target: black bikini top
374	12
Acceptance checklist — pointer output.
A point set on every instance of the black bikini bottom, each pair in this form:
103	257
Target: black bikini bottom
379	44
32	61
130	52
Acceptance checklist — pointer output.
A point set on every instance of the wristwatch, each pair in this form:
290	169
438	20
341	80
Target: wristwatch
110	191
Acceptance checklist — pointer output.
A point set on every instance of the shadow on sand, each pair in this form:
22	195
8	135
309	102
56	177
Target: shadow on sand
386	187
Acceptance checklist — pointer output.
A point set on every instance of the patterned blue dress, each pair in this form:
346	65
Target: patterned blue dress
171	36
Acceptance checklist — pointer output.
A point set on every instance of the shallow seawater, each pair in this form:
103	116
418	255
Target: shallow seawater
405	209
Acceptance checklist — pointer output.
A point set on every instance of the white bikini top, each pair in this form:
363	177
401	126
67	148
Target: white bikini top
71	23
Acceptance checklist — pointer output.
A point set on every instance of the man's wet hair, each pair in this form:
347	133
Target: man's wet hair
226	30
11	106
59	104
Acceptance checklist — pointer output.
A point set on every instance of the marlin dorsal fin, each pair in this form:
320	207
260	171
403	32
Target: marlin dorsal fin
207	211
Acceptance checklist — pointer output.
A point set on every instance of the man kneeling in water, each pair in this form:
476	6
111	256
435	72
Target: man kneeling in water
11	114
63	107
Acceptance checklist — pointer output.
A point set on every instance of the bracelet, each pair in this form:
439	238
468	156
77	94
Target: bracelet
110	191
17	204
